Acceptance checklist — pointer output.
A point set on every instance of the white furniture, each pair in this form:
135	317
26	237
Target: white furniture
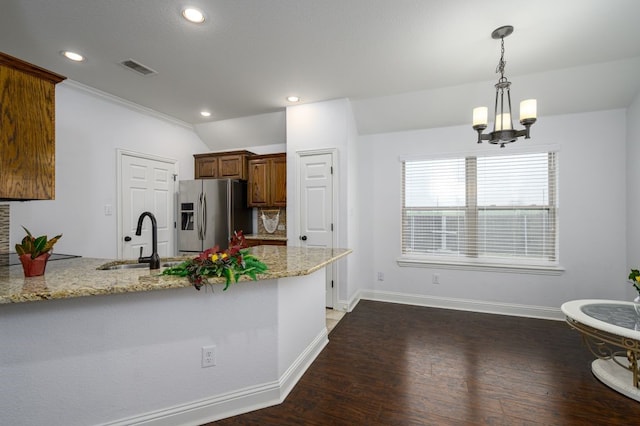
611	330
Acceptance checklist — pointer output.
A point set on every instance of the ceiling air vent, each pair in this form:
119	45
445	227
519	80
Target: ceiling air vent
137	67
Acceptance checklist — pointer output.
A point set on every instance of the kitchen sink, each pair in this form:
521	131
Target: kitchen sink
136	266
125	266
169	264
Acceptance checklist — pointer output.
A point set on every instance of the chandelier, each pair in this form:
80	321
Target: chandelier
503	131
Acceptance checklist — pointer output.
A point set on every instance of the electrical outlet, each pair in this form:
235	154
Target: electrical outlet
281	228
380	276
435	279
208	356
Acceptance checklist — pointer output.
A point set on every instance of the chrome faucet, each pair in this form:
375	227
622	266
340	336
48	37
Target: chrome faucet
154	259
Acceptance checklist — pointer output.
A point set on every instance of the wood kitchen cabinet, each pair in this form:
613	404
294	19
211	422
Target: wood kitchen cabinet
268	181
27	130
206	167
222	165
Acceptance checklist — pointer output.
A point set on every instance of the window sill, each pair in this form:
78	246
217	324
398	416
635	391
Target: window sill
413	262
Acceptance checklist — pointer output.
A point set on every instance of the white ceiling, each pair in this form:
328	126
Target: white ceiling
403	63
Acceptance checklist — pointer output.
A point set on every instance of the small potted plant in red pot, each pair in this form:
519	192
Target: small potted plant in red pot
34	253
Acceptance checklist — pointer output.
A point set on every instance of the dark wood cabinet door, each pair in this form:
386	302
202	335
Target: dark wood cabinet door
27	130
230	167
279	181
268	181
206	167
258	178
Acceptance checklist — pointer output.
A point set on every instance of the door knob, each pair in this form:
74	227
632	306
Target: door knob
303	238
127	238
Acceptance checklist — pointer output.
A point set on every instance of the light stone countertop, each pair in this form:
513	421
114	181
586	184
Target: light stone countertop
80	277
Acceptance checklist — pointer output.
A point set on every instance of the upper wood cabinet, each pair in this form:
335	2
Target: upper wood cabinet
27	130
206	167
222	165
268	181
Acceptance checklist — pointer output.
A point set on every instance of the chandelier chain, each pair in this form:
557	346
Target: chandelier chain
501	63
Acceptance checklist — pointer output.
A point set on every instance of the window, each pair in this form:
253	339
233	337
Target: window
481	210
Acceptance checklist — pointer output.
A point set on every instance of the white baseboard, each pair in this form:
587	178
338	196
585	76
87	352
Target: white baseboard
348	305
300	365
465	304
232	403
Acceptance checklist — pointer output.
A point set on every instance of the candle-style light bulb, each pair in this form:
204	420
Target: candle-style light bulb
480	117
503	121
528	111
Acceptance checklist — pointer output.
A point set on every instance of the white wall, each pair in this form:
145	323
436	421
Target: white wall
592	206
323	125
591	216
633	189
255	130
359	229
89	129
135	358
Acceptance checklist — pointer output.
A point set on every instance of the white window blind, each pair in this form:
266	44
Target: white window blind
492	209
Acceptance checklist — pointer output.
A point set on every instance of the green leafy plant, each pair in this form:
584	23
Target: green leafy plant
35	246
634	277
230	264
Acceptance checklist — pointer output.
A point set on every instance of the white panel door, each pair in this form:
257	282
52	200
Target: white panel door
146	185
316	208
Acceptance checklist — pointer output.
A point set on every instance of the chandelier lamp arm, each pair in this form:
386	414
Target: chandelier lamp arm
503	131
503	137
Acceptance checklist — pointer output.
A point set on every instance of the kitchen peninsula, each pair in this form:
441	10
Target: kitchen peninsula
111	347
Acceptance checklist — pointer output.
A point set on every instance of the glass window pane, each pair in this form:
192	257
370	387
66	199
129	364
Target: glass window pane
514	180
514	233
435	183
437	231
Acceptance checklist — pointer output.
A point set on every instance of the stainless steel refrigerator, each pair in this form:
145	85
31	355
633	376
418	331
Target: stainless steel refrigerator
210	210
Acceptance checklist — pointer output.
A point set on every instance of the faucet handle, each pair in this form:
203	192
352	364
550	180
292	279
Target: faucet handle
140	251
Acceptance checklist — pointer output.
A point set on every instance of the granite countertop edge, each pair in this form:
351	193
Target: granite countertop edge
273	237
80	277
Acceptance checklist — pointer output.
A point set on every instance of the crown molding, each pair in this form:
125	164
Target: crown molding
127	104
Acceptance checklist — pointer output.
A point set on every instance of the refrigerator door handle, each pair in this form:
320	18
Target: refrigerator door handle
199	224
204	216
231	207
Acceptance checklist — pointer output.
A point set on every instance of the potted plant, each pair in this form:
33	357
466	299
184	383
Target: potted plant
34	253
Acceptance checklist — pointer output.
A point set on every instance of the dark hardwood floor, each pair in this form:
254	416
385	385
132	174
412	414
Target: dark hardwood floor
390	364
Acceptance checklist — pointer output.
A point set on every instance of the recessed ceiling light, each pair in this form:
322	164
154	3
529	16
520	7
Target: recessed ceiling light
76	57
205	113
193	15
293	98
